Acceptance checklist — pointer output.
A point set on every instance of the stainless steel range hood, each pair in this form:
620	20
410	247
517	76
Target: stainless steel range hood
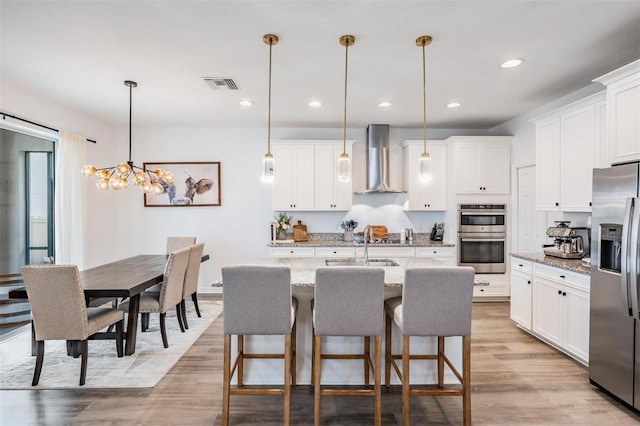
378	161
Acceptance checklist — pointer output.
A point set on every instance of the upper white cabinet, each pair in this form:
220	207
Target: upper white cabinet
293	182
433	194
568	146
482	164
623	112
306	176
330	192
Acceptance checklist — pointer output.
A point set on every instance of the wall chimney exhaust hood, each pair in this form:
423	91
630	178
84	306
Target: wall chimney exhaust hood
378	161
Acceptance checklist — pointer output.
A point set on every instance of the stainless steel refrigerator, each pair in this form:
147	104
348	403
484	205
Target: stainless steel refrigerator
614	337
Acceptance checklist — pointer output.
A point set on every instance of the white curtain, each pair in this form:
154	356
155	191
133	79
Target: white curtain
69	199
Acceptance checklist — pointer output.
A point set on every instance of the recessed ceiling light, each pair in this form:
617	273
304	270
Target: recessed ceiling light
246	103
512	63
315	104
453	104
384	104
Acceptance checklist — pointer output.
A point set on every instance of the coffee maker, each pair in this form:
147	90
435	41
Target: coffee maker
568	243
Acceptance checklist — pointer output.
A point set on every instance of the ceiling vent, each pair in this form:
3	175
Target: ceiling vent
219	83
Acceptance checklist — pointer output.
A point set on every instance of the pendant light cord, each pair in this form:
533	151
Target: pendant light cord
130	108
346	65
269	113
424	99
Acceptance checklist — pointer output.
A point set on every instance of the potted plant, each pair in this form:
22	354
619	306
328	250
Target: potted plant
348	225
283	222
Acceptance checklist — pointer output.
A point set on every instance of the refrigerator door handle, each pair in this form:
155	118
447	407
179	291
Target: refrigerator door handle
625	260
634	252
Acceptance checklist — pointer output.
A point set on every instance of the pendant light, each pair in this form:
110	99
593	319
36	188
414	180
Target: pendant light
268	163
117	177
424	166
344	162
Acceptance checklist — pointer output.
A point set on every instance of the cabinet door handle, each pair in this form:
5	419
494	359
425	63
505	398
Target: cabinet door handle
562	276
528	281
520	265
590	204
557	204
564	293
560	292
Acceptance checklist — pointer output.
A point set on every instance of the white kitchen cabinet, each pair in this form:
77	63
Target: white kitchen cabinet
521	292
293	183
292	252
483	164
431	195
446	255
561	310
490	287
568	146
335	252
330	192
623	112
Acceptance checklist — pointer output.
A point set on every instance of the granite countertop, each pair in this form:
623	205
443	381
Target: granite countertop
574	265
303	270
336	240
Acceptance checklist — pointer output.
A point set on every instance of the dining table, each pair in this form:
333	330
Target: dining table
125	278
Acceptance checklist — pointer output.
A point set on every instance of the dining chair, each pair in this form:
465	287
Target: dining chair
348	301
170	294
435	301
59	312
257	301
173	244
190	287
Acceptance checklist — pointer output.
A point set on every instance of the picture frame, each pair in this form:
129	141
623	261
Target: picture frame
197	184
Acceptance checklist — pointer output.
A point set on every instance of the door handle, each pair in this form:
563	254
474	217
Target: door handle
634	262
625	260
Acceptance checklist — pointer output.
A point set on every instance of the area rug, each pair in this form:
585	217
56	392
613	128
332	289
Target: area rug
144	369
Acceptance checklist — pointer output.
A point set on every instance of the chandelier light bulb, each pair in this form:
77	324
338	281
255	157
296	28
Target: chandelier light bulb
123	169
102	184
156	188
89	170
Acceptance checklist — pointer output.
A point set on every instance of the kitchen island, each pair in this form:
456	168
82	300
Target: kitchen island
347	372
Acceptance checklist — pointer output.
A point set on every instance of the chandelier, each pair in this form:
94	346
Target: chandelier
424	166
117	177
344	162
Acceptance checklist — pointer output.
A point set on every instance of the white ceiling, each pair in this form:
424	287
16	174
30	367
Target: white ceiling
79	53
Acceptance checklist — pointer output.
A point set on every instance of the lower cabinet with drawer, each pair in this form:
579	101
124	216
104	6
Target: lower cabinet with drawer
446	255
292	252
521	292
561	310
335	252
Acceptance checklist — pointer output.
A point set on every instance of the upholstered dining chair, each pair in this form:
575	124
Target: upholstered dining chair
436	301
348	301
175	243
59	312
190	287
258	301
170	294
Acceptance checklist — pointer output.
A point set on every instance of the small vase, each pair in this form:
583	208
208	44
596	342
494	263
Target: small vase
282	234
348	236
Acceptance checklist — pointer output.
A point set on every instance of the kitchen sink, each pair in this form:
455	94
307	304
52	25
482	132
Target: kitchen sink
353	262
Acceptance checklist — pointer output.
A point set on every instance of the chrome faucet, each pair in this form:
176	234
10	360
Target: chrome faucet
368	237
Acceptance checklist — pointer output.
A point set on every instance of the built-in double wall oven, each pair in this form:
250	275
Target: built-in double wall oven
482	236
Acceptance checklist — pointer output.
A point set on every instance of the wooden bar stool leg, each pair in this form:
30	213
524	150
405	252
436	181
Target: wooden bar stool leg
287	378
387	351
466	379
313	355
294	353
226	381
240	360
441	361
405	381
316	381
377	380
367	357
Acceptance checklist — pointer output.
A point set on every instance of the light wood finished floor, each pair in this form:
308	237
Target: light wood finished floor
516	380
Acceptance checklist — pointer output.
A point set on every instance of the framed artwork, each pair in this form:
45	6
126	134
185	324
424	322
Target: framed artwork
196	184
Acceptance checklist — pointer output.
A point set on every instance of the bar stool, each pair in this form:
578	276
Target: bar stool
257	301
348	301
434	302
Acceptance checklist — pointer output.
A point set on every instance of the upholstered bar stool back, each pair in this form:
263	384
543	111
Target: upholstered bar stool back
348	301
436	301
258	301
